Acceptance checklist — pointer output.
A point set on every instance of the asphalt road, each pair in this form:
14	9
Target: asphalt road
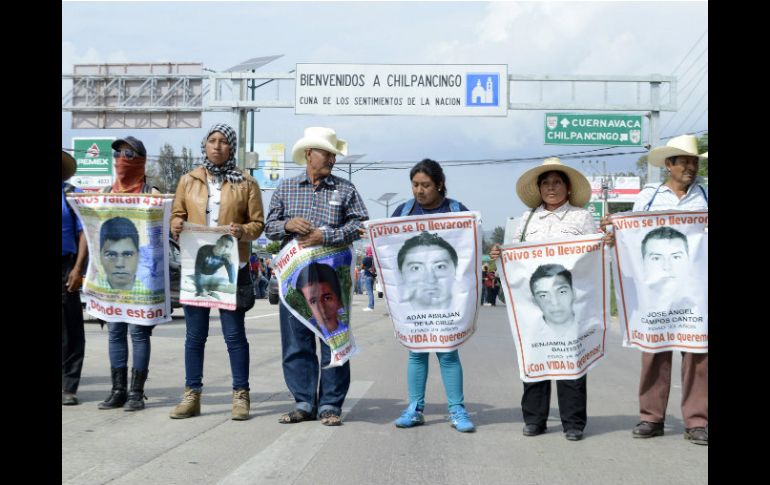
113	446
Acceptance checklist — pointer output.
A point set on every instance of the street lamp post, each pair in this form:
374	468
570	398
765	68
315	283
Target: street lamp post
385	199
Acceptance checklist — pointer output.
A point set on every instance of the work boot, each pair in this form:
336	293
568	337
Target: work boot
647	429
117	397
190	405
241	403
136	395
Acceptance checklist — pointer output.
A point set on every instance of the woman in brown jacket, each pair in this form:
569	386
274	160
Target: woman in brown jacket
218	194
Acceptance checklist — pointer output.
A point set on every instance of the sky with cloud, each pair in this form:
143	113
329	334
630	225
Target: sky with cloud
586	38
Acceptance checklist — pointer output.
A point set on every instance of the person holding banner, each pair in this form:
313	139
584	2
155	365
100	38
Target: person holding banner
680	191
427	264
74	253
119	257
556	195
316	208
219	194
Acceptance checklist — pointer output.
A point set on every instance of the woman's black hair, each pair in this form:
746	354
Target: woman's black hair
432	169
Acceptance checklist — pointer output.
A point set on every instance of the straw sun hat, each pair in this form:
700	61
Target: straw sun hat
529	192
321	138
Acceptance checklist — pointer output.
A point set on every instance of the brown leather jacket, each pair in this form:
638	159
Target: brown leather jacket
241	203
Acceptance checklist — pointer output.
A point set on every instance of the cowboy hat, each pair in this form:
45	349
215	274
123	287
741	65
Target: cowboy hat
68	165
321	138
529	192
685	145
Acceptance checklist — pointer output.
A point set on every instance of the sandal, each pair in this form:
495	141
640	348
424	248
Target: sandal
296	416
328	418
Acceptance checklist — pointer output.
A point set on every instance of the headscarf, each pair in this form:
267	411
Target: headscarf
227	170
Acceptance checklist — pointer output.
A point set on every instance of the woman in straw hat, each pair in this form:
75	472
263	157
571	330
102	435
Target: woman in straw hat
556	195
218	194
680	191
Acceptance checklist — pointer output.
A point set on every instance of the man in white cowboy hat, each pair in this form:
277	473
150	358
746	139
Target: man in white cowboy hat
74	252
556	195
679	192
316	208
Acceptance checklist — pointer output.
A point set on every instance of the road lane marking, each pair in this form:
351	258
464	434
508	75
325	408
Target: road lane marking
285	459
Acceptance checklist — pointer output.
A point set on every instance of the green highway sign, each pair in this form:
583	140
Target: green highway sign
593	129
596	208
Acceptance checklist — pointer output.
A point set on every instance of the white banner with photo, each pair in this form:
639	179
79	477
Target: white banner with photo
661	279
557	297
127	234
430	267
209	267
316	285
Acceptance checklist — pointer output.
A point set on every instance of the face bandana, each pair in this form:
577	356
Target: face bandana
130	174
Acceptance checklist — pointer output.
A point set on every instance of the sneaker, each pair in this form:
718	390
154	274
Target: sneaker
461	421
410	417
367	309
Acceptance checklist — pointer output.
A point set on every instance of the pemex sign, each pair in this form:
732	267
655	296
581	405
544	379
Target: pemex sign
94	158
593	129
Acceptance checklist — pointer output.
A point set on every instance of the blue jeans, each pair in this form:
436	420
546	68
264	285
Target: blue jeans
118	344
369	283
234	332
451	374
300	368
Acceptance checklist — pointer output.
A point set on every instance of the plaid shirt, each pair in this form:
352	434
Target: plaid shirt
334	206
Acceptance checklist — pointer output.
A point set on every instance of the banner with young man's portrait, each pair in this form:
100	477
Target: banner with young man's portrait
557	297
209	267
316	285
127	234
430	267
661	279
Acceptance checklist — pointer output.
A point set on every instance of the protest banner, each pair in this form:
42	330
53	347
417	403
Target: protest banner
316	284
661	279
209	267
430	267
127	235
558	305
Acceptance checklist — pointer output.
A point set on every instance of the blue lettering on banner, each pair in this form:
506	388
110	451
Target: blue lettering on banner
482	89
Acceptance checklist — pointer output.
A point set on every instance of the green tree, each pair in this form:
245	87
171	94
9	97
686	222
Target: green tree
273	247
169	168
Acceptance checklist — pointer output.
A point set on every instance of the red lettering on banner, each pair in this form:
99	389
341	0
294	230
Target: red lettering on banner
110	310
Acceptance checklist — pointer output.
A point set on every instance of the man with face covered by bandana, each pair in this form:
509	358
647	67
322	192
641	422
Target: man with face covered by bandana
130	159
